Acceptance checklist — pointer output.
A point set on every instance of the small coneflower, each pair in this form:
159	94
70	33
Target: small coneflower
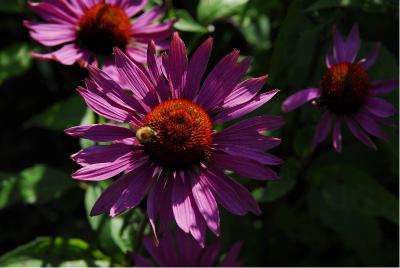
171	150
347	95
181	250
86	31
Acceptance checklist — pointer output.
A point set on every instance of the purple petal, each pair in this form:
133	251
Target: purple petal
221	81
250	153
337	135
245	108
100	132
51	34
339	47
140	261
380	107
230	194
188	249
370	126
106	170
323	128
148	17
54	14
135	78
197	67
206	203
153	63
132	7
359	133
383	87
245	91
155	252
68	54
176	64
137	54
141	177
156	32
210	254
244	166
230	259
352	44
371	58
255	124
101	154
165	213
154	202
299	98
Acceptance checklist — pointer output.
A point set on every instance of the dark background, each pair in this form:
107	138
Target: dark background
329	209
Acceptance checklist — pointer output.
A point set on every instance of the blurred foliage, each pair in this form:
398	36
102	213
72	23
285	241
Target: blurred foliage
328	209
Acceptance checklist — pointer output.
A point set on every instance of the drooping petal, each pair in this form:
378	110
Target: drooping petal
54	14
379	107
188	249
323	128
197	67
154	202
101	154
132	7
359	133
141	261
245	108
155	252
299	98
370	126
148	17
250	153
337	135
210	254
371	57
231	258
245	91
383	87
329	60
230	194
105	170
51	34
100	132
244	166
156	32
68	54
140	178
206	203
137	53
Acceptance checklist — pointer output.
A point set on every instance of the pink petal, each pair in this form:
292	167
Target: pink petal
359	133
300	98
339	47
323	128
380	107
370	126
384	86
352	44
100	132
51	34
101	154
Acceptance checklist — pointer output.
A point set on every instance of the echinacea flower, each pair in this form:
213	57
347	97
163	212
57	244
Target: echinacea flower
171	149
85	31
182	250
346	94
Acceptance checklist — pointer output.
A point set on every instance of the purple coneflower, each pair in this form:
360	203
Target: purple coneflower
183	251
171	149
87	30
347	95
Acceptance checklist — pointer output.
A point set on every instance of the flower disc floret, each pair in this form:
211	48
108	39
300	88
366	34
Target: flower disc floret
344	88
183	133
103	27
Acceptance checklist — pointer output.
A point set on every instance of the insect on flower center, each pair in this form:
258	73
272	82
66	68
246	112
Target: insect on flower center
103	27
177	133
344	88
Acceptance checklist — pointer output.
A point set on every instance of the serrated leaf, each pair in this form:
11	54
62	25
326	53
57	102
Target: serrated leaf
55	252
186	22
14	61
37	184
61	115
349	189
210	10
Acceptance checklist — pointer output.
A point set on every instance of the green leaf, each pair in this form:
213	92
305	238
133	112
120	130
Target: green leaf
13	6
37	184
277	189
256	30
186	23
350	189
211	10
357	231
87	119
61	115
55	252
14	61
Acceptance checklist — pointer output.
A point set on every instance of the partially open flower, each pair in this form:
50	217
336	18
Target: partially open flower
347	95
171	149
87	30
181	250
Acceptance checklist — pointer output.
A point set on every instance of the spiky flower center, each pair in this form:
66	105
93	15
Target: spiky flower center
344	88
103	27
177	133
